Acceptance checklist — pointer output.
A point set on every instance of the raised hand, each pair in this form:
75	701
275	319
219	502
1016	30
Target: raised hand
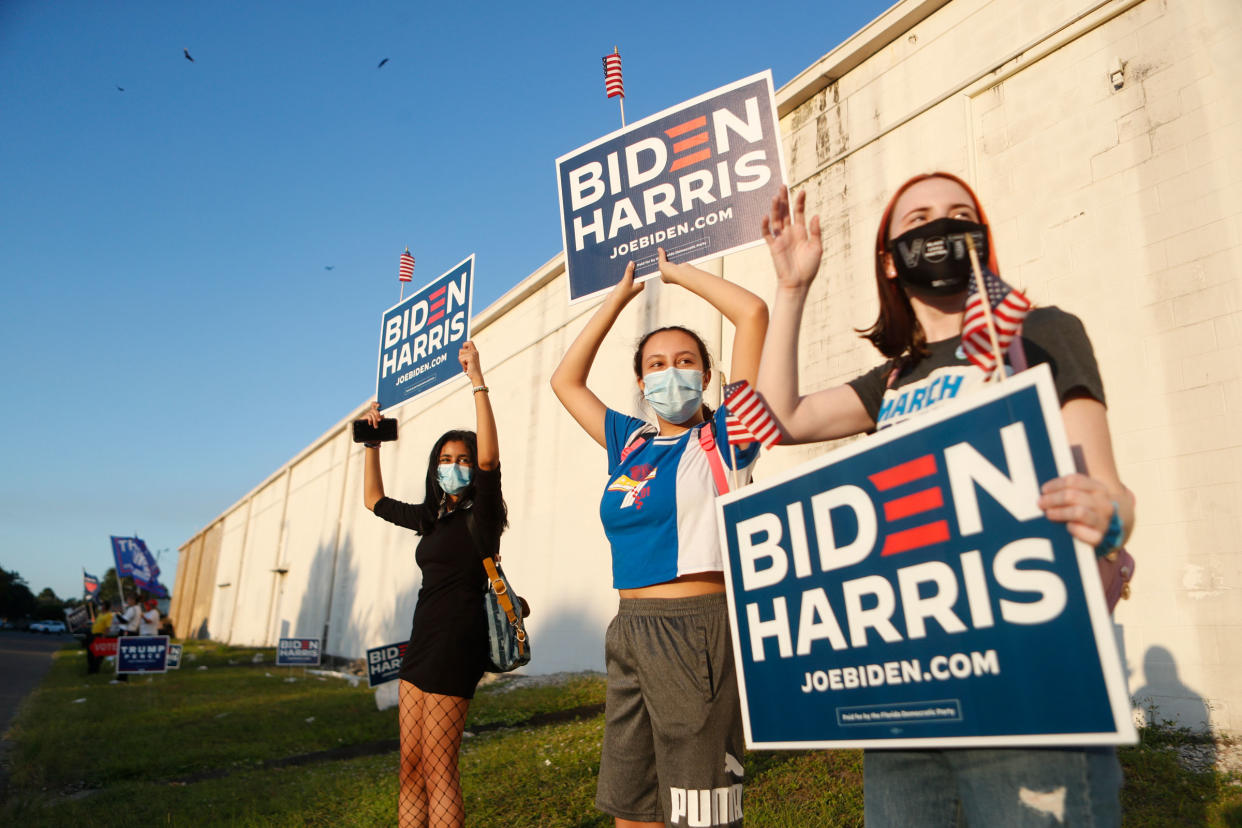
373	415
625	290
468	357
677	274
794	244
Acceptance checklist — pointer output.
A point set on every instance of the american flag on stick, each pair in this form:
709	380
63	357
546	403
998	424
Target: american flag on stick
612	75
406	272
613	86
748	416
1008	308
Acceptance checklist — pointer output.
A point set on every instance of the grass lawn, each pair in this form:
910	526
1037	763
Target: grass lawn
211	747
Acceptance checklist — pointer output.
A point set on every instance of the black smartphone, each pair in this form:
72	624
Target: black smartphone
364	432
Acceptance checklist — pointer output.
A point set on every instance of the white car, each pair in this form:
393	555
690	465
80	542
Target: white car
48	627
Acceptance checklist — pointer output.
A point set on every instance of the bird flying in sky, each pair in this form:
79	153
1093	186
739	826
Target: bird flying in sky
381	63
328	267
120	88
187	54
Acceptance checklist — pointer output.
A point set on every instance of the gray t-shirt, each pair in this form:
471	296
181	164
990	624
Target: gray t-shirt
1048	335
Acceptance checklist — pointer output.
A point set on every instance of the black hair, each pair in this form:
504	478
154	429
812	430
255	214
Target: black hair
434	495
698	341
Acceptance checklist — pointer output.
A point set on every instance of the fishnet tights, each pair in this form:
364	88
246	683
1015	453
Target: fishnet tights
430	786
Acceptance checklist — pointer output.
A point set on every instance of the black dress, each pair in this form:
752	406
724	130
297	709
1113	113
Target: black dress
447	653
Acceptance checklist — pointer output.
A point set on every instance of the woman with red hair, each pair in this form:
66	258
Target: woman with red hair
923	273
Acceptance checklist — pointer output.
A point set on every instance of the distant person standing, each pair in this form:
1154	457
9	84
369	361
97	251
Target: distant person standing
99	629
128	622
149	622
131	618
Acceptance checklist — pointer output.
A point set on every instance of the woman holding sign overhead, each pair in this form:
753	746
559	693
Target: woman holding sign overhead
939	348
673	729
447	653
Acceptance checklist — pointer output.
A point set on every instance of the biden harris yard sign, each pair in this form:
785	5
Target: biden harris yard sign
384	663
907	591
421	335
297	652
695	179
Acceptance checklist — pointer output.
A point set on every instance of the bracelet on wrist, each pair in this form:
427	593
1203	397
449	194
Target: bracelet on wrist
479	388
1112	535
371	445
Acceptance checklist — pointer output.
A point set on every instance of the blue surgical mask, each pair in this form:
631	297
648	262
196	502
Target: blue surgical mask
454	477
674	393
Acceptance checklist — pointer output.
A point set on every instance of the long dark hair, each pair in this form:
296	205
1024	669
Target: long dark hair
434	495
897	332
698	341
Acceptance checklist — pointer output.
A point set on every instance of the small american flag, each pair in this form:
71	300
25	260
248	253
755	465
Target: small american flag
612	76
406	272
748	416
1009	308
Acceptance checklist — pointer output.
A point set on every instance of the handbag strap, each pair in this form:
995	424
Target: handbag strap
506	602
496	582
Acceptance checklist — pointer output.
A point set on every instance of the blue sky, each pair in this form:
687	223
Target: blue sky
170	333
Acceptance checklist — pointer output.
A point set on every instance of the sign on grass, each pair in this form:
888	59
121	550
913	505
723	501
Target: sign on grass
695	179
141	653
173	661
907	590
384	663
295	652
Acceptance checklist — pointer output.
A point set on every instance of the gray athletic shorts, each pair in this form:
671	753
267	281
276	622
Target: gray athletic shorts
673	721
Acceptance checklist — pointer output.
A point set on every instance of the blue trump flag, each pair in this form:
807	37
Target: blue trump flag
421	335
695	179
133	559
907	591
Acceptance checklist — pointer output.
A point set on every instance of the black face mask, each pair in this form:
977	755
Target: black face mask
933	257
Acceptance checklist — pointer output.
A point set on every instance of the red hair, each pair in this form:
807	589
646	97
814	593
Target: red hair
896	331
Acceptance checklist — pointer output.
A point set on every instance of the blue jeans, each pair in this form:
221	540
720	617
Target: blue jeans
983	787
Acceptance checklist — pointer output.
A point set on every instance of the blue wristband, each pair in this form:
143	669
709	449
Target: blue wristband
1112	535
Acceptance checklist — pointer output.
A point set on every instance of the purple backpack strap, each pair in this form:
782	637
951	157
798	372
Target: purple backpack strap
1017	354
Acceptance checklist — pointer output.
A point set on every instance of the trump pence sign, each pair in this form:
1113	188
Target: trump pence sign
907	590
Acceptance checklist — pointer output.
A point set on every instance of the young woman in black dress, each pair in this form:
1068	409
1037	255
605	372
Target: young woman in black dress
447	653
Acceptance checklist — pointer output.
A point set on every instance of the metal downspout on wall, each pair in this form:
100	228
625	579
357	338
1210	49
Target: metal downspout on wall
336	549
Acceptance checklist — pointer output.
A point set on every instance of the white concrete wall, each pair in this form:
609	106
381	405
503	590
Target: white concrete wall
1123	206
228	573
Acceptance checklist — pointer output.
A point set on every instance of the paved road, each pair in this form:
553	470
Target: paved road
24	659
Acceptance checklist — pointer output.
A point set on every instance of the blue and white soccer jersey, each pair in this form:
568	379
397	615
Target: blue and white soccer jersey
658	509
